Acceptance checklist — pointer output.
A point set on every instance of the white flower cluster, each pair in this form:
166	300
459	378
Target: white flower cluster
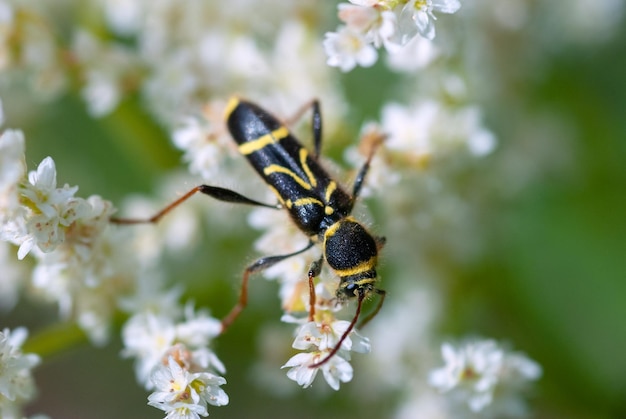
484	377
28	47
76	256
174	54
173	359
318	339
52	216
77	253
87	268
415	136
16	381
190	51
370	24
205	141
429	128
185	395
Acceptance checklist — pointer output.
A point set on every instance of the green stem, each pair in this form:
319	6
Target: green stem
54	339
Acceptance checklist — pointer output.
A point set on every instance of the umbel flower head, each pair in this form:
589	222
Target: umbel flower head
182	394
68	236
370	24
484	377
16	382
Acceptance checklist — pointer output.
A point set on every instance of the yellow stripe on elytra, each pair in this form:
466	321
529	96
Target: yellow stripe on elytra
368	265
305	167
329	190
307	201
275	168
329	210
233	102
250	147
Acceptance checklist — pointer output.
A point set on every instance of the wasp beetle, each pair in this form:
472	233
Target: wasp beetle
317	205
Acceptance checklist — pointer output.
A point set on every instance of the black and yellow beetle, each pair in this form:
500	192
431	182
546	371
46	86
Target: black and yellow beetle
317	205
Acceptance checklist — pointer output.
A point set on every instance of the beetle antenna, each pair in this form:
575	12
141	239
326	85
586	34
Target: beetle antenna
344	336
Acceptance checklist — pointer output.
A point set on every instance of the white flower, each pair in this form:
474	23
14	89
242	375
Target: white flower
417	54
309	336
476	366
16	381
391	24
320	339
153	338
198	329
429	128
481	142
27	47
42	188
204	141
79	259
68	236
88	273
417	16
124	16
54	210
183	394
377	25
484	376
408	129
147	337
172	386
326	336
105	67
335	370
347	48
208	387
150	296
101	92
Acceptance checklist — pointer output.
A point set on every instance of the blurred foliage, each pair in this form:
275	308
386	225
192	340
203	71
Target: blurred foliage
554	279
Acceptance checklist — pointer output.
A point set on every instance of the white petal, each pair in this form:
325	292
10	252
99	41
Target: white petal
367	56
25	248
337	369
46	175
446	6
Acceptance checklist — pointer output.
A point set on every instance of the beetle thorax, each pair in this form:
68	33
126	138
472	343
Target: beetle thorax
352	253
